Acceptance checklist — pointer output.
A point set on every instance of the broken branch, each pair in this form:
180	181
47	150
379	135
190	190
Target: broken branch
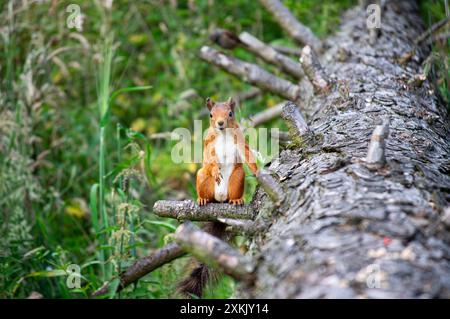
287	50
270	55
266	115
189	210
251	73
143	266
316	74
214	252
287	21
431	30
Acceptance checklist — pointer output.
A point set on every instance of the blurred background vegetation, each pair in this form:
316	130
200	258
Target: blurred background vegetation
54	83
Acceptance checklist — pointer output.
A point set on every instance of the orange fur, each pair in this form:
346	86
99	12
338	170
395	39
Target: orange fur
209	174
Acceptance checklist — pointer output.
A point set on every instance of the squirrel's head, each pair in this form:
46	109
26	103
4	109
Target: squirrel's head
221	113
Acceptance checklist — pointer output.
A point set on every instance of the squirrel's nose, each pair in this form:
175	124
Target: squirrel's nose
220	123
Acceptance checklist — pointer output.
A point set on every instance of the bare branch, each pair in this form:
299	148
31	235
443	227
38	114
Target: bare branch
316	74
251	73
242	226
376	152
287	50
298	128
271	186
266	115
438	37
225	38
188	209
431	30
247	95
270	55
143	266
214	252
287	21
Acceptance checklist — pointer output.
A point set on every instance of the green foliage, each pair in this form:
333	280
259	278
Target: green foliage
438	63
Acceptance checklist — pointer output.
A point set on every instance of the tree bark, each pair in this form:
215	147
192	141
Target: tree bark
347	229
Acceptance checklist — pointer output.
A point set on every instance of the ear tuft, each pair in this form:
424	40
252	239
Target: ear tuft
231	103
209	103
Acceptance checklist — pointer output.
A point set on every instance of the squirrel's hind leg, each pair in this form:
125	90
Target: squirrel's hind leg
236	186
205	187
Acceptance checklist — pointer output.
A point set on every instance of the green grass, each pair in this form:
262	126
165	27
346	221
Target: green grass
79	172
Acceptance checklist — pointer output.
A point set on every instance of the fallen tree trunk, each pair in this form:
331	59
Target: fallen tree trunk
358	206
349	229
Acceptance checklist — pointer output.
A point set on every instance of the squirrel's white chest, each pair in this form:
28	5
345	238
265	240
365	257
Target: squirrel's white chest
227	156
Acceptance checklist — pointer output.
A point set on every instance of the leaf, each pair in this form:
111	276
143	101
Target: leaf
113	287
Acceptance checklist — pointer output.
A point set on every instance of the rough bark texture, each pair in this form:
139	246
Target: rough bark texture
347	230
190	210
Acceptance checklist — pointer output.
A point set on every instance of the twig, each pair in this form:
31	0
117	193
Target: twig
251	73
143	266
247	95
287	50
271	186
431	30
376	153
214	252
266	115
314	70
438	37
287	21
189	210
270	55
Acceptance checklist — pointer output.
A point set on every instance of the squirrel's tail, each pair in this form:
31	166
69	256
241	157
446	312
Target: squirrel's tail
195	283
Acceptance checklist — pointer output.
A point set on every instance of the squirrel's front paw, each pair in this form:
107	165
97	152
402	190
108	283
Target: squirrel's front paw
239	201
202	201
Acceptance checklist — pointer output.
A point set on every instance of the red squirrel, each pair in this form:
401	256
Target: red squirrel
221	177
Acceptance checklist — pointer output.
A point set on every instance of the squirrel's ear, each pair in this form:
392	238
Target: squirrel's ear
209	103
231	103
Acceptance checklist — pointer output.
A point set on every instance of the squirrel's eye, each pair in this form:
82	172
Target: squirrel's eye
210	115
231	114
